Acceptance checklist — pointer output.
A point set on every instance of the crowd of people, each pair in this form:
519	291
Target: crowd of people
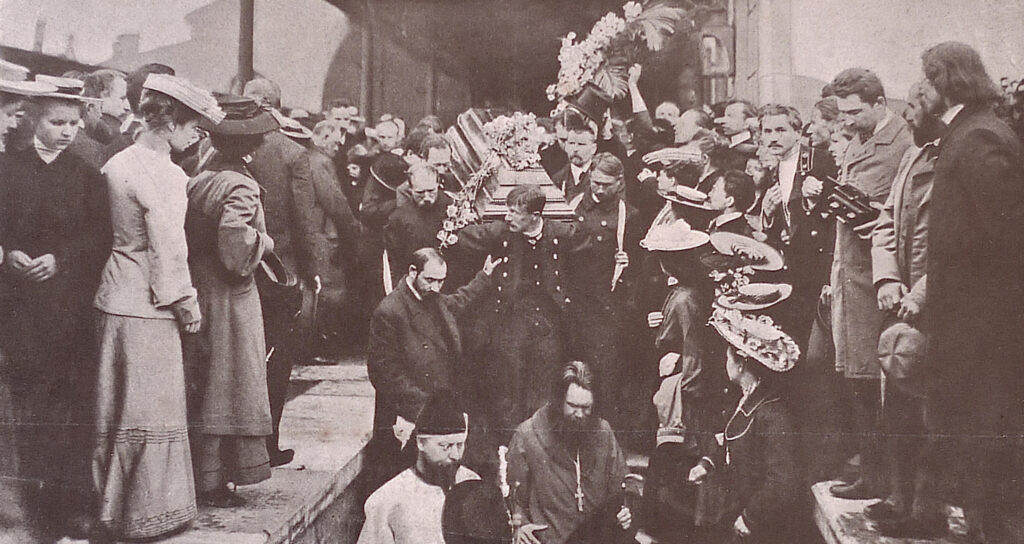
740	297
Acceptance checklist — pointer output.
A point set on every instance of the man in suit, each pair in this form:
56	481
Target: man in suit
580	146
133	93
415	349
975	294
731	194
104	122
415	224
880	139
790	215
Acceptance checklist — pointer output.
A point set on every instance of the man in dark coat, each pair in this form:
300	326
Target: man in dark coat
580	146
415	349
415	224
524	325
975	292
282	169
604	313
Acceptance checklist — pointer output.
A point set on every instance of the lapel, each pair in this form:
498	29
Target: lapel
741	421
885	136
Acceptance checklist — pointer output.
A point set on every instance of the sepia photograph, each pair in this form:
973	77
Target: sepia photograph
511	271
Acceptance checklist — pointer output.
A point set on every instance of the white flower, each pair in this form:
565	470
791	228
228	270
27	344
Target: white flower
632	10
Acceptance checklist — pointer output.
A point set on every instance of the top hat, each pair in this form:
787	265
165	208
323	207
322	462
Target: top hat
591	102
242	117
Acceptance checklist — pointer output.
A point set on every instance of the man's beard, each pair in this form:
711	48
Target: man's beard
573	432
927	129
441	475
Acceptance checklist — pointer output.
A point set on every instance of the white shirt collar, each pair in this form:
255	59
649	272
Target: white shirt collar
415	293
725	218
951	114
45	153
578	171
128	122
535	233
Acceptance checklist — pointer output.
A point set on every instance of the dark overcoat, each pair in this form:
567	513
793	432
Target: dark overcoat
975	302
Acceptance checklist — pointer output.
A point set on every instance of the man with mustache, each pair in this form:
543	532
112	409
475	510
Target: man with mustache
870	163
564	466
580	146
408	508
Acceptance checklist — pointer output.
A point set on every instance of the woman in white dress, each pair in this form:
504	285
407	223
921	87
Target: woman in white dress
142	463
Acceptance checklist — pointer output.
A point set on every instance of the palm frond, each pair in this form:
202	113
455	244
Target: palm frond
656	23
612	79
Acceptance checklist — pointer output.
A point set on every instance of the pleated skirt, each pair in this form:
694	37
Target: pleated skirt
142	465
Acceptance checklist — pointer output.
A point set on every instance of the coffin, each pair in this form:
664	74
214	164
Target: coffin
471	152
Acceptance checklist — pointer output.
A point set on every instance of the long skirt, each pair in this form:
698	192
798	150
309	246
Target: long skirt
241	460
142	465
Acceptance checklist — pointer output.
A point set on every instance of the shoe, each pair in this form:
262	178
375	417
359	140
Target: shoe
222	498
859	490
883	511
914	528
281	457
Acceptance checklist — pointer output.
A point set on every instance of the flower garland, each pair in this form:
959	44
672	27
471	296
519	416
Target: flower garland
515	139
611	37
461	211
728	282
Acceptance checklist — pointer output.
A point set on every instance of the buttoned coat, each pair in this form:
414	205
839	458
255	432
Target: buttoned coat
856	320
975	304
414	348
899	241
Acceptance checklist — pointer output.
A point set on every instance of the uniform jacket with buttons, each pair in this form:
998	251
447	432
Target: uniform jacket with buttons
559	245
591	278
415	346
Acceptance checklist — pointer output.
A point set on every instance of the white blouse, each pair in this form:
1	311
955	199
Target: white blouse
147	270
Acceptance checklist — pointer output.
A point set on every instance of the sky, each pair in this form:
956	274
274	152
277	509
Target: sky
95	23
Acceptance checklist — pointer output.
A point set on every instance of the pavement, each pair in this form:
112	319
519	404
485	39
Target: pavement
327	420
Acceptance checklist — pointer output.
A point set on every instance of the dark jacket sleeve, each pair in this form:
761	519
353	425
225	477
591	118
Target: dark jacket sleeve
774	498
377	206
89	246
334	203
385	363
300	184
480	238
466	295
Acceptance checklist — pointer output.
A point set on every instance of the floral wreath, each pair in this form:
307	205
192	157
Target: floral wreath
613	45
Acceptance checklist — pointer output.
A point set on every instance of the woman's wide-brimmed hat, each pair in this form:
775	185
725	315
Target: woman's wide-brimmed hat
242	117
290	127
195	98
687	196
66	88
25	88
670	156
753	297
674	236
390	170
756	337
757	255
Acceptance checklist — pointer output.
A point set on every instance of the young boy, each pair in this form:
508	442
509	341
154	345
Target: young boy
731	195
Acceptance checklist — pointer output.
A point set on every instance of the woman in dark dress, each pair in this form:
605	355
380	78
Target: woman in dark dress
55	234
757	450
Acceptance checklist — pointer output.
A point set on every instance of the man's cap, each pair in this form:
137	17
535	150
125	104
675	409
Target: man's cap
901	347
441	416
184	91
242	116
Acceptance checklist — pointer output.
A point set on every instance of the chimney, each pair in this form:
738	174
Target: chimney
37	43
69	48
126	46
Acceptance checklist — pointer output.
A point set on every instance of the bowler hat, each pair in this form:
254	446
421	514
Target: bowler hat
242	116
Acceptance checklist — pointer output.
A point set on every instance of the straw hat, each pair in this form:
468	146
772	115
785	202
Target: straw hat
674	236
182	90
757	337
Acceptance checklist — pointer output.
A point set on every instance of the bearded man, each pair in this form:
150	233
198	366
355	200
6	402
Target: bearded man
565	467
408	508
415	224
580	146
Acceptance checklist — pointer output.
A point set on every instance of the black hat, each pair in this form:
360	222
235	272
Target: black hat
474	513
440	416
390	170
592	102
242	116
